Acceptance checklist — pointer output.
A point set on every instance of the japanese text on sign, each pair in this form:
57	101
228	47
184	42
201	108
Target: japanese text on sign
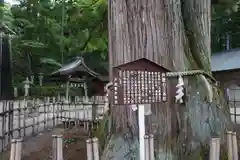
139	87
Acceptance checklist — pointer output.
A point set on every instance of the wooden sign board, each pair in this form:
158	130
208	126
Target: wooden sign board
139	82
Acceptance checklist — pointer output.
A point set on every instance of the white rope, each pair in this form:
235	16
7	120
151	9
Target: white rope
185	73
191	73
203	76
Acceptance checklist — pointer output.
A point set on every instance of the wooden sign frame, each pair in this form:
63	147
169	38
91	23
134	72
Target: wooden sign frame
139	82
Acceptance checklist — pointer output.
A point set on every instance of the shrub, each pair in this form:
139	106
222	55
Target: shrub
37	91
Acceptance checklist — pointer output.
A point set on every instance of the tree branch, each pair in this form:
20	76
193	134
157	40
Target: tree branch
90	33
196	17
86	42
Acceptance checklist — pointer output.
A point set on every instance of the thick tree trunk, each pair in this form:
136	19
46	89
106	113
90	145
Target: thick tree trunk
176	35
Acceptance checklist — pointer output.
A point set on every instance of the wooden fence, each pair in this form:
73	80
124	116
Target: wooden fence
92	146
72	99
24	118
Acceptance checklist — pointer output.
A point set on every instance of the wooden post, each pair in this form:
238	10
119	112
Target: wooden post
151	147
2	126
44	115
48	100
19	118
15	91
213	149
11	119
59	147
84	117
58	97
95	148
217	148
85	91
37	101
75	99
13	149
24	117
141	124
229	144
32	79
26	87
54	99
69	114
40	78
38	115
18	155
54	147
89	149
235	146
67	91
146	139
53	111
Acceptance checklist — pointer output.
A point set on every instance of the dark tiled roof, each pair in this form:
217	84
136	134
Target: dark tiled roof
227	60
77	65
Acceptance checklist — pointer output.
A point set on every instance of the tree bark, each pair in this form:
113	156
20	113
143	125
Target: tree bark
176	35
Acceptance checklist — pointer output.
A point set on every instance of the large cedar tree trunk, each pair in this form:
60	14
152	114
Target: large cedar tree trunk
176	35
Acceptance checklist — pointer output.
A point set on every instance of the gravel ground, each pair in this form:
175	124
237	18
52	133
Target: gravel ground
40	147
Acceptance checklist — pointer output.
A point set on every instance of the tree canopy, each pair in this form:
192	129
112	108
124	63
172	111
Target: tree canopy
54	31
225	26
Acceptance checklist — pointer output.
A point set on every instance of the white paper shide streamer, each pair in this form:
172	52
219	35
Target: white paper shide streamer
180	88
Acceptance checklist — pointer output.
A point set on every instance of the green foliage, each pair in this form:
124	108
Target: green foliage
6	15
45	91
51	32
71	140
102	131
225	25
